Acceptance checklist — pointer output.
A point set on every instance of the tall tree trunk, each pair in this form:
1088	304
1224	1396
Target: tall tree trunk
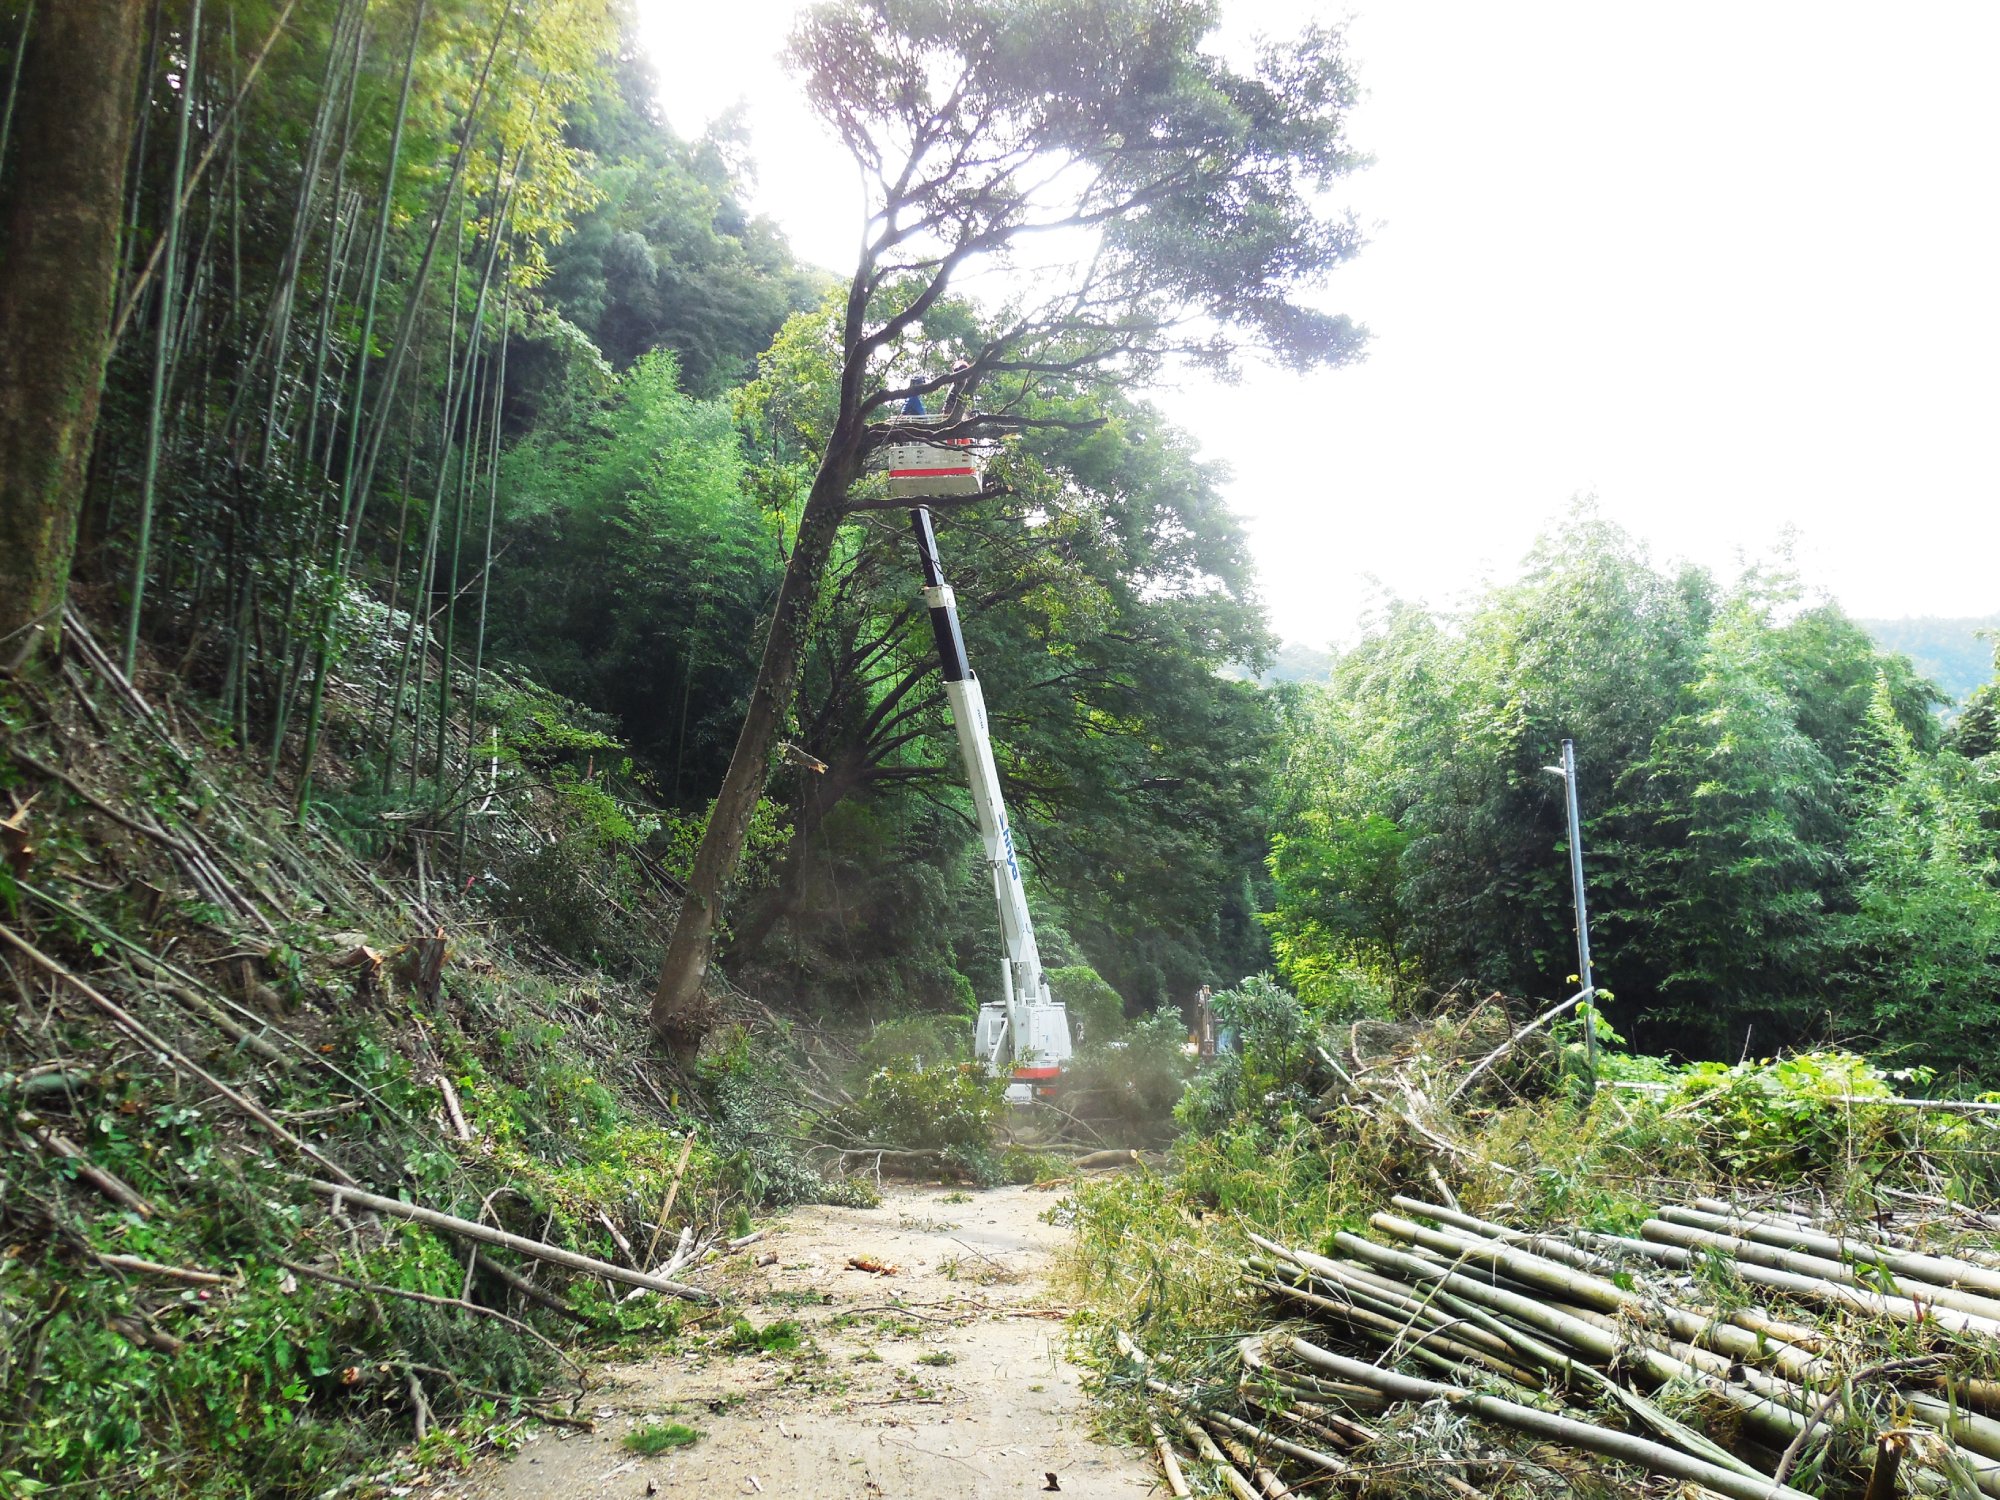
820	796
682	1012
58	278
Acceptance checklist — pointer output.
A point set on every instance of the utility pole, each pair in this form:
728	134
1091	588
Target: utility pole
1588	993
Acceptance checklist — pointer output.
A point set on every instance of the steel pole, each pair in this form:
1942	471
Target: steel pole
1582	911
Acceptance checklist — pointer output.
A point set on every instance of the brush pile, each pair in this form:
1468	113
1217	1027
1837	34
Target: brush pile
1744	1352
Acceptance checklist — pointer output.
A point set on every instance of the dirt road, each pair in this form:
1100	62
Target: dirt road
945	1381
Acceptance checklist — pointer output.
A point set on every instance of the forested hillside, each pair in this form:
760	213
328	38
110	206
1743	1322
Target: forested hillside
573	448
480	816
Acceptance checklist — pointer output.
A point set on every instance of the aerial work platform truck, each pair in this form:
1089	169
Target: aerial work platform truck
1023	1035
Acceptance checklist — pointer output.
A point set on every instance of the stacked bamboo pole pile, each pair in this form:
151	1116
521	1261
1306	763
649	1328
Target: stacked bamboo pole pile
1746	1353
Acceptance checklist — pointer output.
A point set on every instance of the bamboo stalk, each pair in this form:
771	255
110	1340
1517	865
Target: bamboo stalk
1598	1340
488	1234
1939	1270
162	336
186	183
673	1192
1402	1305
135	1266
1538	1244
114	1188
1720	1338
1225	1471
1654	1457
14	78
1437	1350
1169	1464
1831	1280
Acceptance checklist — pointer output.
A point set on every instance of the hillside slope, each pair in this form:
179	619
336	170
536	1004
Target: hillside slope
219	1015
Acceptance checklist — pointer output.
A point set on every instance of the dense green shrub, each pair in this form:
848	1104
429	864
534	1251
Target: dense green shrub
758	1119
938	1109
1786	1118
1135	1081
1269	1066
916	1042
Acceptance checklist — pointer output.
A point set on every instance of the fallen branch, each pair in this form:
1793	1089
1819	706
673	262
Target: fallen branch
137	1267
379	1290
1507	1046
519	1244
114	1189
140	1034
673	1192
451	1107
1097	1159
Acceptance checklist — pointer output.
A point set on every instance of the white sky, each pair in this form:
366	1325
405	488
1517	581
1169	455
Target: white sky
1730	266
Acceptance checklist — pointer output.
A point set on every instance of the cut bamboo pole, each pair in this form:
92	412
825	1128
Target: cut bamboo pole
1970	1314
1939	1270
1654	1457
1170	1465
1706	1333
519	1244
1597	1339
1539	1244
1225	1471
1437	1350
1390	1299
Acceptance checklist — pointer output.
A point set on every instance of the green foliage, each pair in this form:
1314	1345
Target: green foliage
1923	937
759	1117
1782	1119
1105	604
656	1438
667	258
1134	1081
1096	1011
634	568
781	1337
912	1043
1269	1068
1217	219
938	1109
1337	912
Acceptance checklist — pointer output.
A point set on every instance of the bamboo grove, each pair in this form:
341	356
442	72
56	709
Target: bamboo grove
444	376
336	213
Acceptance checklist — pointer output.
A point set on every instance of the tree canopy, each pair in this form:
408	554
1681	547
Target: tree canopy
1774	828
1136	196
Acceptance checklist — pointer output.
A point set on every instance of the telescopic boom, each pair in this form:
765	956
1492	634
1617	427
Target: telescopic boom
1025	1034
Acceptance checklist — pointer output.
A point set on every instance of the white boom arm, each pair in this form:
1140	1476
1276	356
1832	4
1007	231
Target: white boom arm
1025	1034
